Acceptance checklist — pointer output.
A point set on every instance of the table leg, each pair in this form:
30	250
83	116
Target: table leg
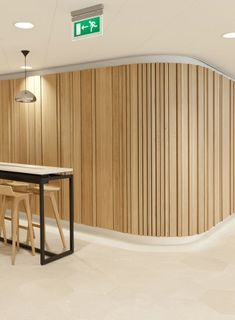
71	213
42	224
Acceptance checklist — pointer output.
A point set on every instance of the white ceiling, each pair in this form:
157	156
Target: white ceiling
131	27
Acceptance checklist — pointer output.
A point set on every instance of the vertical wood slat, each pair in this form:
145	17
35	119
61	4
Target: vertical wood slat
66	129
201	150
206	148
154	161
124	153
166	149
94	168
134	149
86	174
128	149
104	147
21	137
217	149
185	148
149	152
193	209
158	153
162	148
226	147
233	133
172	150
179	149
210	146
117	148
50	137
231	147
145	153
152	145
140	147
5	121
77	145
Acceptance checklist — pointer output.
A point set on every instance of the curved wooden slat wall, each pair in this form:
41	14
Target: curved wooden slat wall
152	145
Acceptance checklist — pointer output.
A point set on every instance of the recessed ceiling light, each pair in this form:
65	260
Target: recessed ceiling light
24	25
26	67
229	35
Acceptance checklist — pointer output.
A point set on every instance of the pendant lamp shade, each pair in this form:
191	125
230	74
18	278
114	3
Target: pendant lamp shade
25	96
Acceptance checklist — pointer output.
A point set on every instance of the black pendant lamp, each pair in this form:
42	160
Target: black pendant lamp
25	96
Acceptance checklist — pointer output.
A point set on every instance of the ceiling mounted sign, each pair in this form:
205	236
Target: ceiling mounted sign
87	22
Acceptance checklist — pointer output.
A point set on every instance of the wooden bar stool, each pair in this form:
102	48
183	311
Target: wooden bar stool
8	195
50	192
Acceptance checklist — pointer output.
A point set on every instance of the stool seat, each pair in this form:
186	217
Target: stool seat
17	184
20	195
48	188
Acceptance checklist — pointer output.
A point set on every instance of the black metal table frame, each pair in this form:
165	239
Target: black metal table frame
41	180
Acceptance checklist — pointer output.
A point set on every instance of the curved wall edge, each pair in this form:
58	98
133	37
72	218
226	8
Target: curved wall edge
152	145
156	58
132	242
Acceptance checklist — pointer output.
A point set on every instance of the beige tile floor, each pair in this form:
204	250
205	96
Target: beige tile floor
99	282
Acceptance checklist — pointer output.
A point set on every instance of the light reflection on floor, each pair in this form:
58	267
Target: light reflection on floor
99	282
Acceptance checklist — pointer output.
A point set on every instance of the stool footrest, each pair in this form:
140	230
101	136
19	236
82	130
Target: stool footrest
36	225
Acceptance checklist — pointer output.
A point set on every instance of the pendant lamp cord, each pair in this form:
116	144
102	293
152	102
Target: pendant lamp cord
25	73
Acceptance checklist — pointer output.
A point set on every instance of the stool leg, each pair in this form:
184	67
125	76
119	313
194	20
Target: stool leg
30	204
2	221
30	225
18	231
57	218
14	230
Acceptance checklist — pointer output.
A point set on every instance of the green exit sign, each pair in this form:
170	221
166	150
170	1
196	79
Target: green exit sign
89	27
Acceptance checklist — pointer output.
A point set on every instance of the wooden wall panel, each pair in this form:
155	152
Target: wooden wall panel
5	110
179	148
104	149
149	151
86	174
162	147
210	139
134	150
77	144
166	153
185	149
152	145
50	129
50	142
193	150
117	149
217	149
65	99
145	152
201	149
226	148
140	148
172	153
124	149
156	158
5	119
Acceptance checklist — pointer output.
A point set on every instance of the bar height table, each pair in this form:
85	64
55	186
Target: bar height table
41	175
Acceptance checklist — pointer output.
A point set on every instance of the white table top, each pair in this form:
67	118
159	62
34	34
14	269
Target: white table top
33	169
